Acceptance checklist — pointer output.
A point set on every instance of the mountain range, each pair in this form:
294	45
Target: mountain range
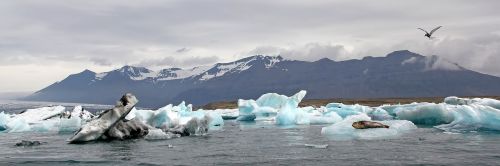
398	74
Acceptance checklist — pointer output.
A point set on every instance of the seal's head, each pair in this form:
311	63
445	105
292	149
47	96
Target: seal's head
359	125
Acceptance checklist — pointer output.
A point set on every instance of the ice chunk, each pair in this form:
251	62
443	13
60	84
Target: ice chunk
227	114
215	118
453	100
18	124
289	116
78	111
158	134
348	110
39	114
249	110
380	114
267	106
317	146
278	101
306	116
164	117
70	125
4	119
146	116
427	113
343	130
472	117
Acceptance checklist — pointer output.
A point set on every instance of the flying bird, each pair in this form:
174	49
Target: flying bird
429	34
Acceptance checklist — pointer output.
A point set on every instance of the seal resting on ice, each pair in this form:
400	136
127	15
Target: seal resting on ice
368	125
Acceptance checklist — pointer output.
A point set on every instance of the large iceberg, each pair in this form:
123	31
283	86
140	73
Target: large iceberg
454	114
284	110
45	119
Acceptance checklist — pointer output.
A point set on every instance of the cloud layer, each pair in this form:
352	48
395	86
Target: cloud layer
70	36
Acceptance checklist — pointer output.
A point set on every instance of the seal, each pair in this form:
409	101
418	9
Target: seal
368	125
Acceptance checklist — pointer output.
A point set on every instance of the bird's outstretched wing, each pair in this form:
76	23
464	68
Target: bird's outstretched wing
435	29
423	30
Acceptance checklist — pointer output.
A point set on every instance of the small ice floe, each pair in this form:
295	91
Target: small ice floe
316	146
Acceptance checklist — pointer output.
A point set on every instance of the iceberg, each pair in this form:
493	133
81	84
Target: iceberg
40	114
284	110
426	113
267	106
102	127
348	110
18	124
454	114
472	117
343	130
4	119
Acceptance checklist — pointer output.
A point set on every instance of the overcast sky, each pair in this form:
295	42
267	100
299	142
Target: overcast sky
42	42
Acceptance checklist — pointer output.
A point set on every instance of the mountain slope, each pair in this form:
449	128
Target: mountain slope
399	74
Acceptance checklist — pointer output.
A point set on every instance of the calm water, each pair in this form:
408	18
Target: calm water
259	143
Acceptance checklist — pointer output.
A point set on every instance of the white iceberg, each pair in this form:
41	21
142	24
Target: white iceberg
171	116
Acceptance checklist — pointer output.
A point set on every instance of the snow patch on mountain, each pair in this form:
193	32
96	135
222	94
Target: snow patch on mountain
204	72
178	73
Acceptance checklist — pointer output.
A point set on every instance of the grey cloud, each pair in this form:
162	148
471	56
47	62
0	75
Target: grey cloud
169	61
182	50
308	52
479	53
101	61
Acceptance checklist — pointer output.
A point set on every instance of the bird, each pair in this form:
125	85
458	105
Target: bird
429	34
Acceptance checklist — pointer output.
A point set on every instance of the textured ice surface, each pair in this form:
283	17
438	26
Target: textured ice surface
426	113
171	116
267	106
39	114
347	110
45	119
343	130
455	114
4	119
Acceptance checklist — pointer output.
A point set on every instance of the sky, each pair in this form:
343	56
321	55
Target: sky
42	42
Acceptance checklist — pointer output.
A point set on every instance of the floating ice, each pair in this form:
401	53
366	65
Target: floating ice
4	119
453	100
267	106
158	134
347	110
343	130
39	114
317	146
227	114
18	124
472	117
455	114
171	116
426	113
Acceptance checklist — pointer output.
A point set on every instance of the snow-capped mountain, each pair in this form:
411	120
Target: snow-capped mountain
399	74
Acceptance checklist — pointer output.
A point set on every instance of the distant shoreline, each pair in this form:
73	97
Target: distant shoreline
362	101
